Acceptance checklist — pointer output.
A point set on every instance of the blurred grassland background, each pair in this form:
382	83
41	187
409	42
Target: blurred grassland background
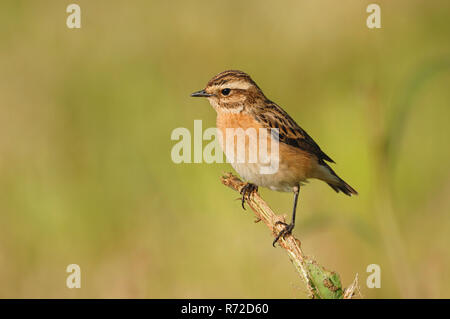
86	175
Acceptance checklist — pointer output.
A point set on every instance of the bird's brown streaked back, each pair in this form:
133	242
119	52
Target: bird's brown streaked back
273	116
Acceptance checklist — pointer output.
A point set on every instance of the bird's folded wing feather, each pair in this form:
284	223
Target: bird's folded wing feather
290	133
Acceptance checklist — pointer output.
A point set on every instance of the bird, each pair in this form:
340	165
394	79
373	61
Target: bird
241	104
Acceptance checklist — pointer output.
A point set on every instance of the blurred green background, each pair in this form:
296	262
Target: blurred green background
86	175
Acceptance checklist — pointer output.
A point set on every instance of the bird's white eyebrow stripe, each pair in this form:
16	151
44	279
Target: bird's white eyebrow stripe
243	85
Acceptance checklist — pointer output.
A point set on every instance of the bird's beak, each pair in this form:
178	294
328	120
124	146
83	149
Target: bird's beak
201	93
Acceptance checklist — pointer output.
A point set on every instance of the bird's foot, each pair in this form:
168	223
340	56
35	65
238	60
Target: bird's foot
286	231
246	191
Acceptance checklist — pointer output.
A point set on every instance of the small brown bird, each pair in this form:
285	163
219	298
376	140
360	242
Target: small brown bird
240	103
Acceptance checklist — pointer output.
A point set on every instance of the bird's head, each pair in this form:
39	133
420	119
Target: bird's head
231	91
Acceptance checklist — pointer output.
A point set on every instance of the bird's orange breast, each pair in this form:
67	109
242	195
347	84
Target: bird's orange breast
236	120
295	164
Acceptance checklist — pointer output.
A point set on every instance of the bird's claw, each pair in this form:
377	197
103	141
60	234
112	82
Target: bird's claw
286	231
246	190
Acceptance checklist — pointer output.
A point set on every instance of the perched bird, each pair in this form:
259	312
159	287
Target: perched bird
240	103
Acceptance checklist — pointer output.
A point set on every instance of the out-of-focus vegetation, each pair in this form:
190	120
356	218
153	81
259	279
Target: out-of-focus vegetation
86	175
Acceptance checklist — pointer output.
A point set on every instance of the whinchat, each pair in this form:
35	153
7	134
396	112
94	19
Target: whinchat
241	104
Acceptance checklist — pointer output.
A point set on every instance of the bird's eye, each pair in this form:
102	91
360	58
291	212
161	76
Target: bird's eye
226	91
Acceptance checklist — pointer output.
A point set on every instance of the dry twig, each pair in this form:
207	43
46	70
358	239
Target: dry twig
320	282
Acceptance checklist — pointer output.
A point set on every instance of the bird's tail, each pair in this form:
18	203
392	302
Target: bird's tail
331	178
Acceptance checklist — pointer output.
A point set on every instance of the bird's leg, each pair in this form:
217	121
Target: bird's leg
246	190
288	227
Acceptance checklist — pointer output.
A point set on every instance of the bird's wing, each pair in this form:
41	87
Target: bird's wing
273	116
